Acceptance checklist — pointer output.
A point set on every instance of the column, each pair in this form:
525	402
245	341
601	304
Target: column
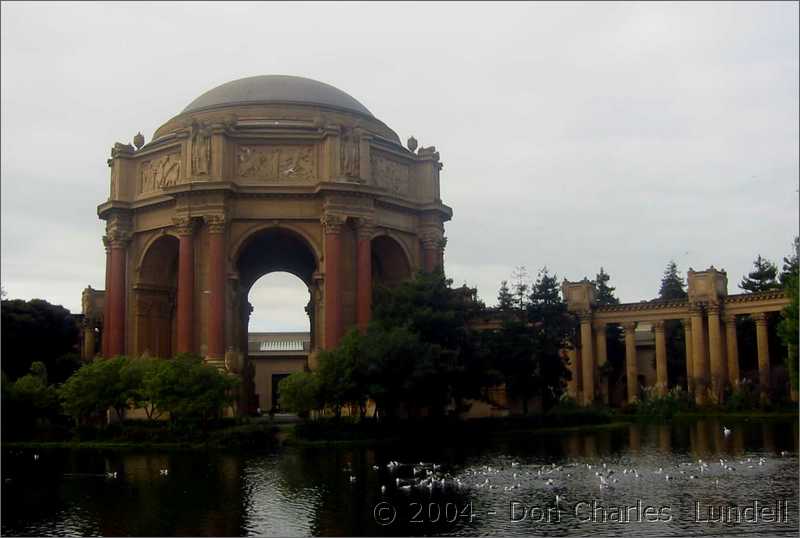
333	285
185	314
715	354
762	338
104	334
115	296
430	250
587	358
733	350
364	273
601	353
631	366
88	339
216	284
688	345
700	365
662	381
574	370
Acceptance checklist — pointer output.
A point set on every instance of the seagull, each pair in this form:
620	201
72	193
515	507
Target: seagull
111	475
726	431
164	472
383	489
352	479
36	457
375	468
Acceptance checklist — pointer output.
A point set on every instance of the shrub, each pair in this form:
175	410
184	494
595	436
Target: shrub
654	405
95	387
300	393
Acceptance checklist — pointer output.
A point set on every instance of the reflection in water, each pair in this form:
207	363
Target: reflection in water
552	483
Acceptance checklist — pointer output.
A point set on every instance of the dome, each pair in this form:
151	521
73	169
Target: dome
276	89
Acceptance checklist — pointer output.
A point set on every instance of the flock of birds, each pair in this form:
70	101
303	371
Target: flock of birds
422	476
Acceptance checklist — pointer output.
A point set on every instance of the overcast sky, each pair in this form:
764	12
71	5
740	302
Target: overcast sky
572	135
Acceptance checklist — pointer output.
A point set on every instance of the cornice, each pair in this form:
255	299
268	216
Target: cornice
644	306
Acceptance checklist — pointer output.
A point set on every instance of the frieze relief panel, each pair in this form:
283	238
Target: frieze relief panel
276	163
160	172
388	174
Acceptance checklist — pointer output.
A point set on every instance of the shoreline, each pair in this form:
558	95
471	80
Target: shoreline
271	436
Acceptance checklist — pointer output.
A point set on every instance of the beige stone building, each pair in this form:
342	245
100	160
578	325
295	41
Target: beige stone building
708	316
262	174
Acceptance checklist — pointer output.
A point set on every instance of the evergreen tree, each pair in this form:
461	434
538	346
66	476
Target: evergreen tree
605	293
762	278
521	288
672	285
791	266
505	300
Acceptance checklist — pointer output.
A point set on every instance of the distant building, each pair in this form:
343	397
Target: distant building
274	356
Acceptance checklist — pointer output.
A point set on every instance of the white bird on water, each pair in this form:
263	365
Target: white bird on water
163	472
726	431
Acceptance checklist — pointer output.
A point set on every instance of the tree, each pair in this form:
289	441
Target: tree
95	387
762	278
31	398
605	293
788	328
791	265
36	330
189	389
338	385
300	393
505	300
522	287
548	314
672	285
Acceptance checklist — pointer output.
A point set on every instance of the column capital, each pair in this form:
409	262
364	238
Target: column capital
629	325
216	223
184	225
332	223
600	325
696	309
106	243
365	227
658	326
687	323
431	238
729	319
585	316
714	309
118	238
761	318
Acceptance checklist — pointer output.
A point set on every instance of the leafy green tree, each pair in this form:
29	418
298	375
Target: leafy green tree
300	393
762	278
137	375
95	387
36	330
188	389
32	396
337	373
672	284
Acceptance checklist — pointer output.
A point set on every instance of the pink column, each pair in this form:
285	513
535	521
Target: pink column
333	279
185	322
364	270
216	310
115	296
106	309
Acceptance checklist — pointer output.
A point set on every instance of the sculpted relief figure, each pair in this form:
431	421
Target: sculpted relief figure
276	163
201	149
389	174
162	172
350	154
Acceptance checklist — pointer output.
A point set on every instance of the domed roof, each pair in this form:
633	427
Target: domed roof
276	89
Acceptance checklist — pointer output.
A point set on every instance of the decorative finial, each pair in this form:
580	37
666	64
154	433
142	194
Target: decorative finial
412	144
138	140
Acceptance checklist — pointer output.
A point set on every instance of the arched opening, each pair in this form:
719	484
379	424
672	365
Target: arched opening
278	303
154	307
390	265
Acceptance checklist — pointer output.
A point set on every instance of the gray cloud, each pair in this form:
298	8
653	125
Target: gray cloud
573	135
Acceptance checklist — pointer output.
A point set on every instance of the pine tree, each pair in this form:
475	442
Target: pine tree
762	278
505	300
605	293
791	266
521	288
672	285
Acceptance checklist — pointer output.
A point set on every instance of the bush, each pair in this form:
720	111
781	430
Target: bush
300	393
654	405
743	398
95	387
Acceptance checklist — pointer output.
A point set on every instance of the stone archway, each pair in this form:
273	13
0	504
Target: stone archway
390	262
154	298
